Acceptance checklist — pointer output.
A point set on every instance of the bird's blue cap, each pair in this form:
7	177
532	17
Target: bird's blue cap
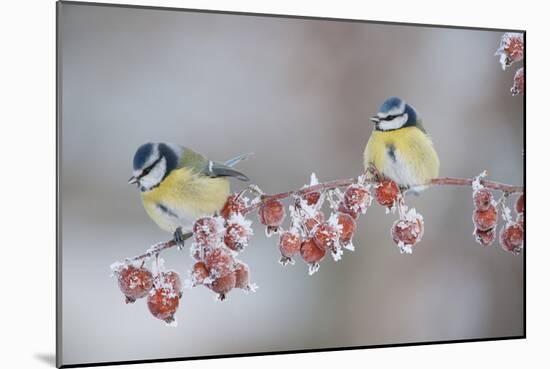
391	104
142	154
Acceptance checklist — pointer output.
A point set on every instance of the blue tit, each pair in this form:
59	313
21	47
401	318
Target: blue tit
179	185
399	147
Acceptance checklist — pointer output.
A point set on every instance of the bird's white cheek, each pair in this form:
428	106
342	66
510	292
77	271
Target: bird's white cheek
395	123
154	177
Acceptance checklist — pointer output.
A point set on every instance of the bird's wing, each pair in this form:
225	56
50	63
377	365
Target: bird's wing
202	165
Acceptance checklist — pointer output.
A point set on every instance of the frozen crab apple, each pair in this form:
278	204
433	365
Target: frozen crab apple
518	86
325	236
134	282
520	204
206	231
511	49
174	281
357	198
222	285
312	198
236	236
219	262
242	274
386	193
199	273
163	303
485	219
485	238
272	214
310	252
347	227
233	205
511	238
289	245
343	209
483	199
407	232
311	222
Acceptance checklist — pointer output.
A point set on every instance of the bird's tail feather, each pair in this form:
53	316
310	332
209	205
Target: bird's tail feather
232	162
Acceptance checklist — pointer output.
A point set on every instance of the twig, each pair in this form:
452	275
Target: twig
468	182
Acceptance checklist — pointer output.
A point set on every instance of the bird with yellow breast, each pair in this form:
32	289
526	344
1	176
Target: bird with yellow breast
399	147
179	185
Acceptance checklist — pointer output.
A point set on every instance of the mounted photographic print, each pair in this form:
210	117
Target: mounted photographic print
244	184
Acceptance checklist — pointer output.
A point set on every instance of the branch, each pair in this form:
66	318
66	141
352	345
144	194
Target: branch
506	188
154	250
331	185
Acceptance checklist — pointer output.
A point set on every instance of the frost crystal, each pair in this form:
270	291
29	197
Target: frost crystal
412	216
404	249
507	215
251	288
254	188
334	203
117	266
337	253
333	221
158	266
313	268
313	181
362	179
476	183
349	246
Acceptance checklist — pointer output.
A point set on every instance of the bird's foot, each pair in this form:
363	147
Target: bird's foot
374	172
180	237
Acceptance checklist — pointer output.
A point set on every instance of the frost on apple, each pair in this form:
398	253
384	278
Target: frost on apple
511	50
518	87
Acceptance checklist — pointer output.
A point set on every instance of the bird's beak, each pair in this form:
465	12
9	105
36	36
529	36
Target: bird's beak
374	119
132	180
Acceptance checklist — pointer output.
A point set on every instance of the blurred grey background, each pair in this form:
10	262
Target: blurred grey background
298	93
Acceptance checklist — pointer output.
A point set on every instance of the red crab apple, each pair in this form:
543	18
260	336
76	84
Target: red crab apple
311	253
511	238
407	232
199	273
206	231
348	225
134	282
485	238
233	205
357	198
386	193
219	262
163	303
483	199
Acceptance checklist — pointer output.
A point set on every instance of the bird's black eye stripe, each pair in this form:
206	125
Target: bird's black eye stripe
391	117
150	167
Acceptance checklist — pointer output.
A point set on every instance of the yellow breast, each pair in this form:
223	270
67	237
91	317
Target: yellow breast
404	155
184	196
